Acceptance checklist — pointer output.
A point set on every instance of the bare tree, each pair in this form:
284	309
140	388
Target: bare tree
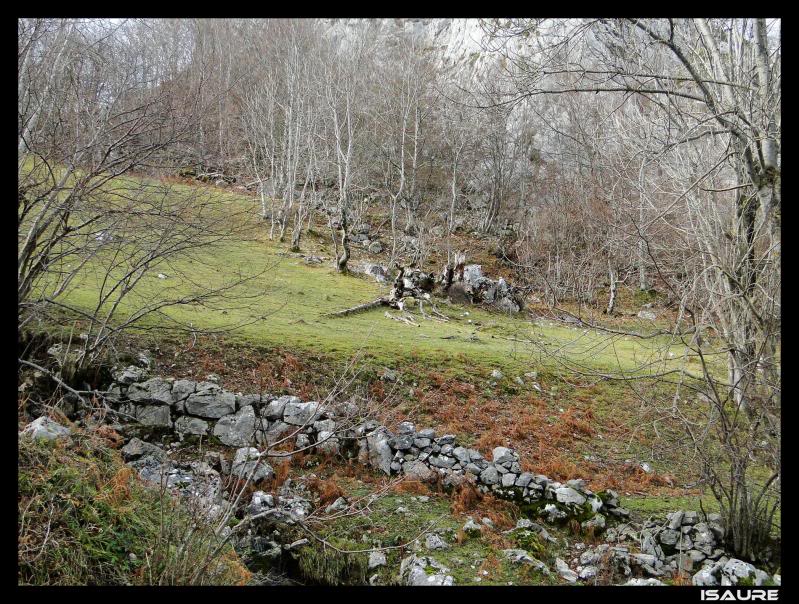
105	112
710	174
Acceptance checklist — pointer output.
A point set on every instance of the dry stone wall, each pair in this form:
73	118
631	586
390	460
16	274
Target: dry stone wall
262	421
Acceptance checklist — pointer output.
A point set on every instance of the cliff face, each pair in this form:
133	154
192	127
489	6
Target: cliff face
455	42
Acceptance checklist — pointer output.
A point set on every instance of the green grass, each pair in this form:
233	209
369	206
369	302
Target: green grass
385	527
85	519
646	506
284	302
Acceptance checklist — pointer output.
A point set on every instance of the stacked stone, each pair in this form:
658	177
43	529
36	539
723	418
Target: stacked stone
684	541
248	420
237	420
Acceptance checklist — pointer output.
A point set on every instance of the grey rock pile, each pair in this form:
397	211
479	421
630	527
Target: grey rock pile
684	542
249	421
499	293
378	272
196	482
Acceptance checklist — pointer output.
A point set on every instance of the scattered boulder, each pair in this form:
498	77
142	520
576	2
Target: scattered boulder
378	272
423	571
45	428
376	559
389	375
640	582
564	571
471	528
338	505
433	541
737	571
137	448
520	556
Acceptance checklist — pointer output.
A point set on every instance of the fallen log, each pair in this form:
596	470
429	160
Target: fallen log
360	308
409	284
408	319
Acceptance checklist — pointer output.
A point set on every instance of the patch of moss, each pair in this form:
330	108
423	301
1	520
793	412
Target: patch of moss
530	542
322	565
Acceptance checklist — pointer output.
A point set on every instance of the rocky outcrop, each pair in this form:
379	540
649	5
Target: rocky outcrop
468	281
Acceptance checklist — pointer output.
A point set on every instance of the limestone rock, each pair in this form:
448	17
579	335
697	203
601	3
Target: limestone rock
639	582
380	453
300	414
520	556
247	461
44	428
414	571
433	541
489	476
155	391
130	375
273	410
245	400
181	389
274	433
569	495
157	416
376	559
327	442
211	403
471	528
735	571
191	425
237	430
417	470
260	502
564	571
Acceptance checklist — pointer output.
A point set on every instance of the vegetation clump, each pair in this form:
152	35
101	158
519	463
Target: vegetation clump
86	519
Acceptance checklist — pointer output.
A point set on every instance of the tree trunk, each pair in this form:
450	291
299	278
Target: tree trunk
612	300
